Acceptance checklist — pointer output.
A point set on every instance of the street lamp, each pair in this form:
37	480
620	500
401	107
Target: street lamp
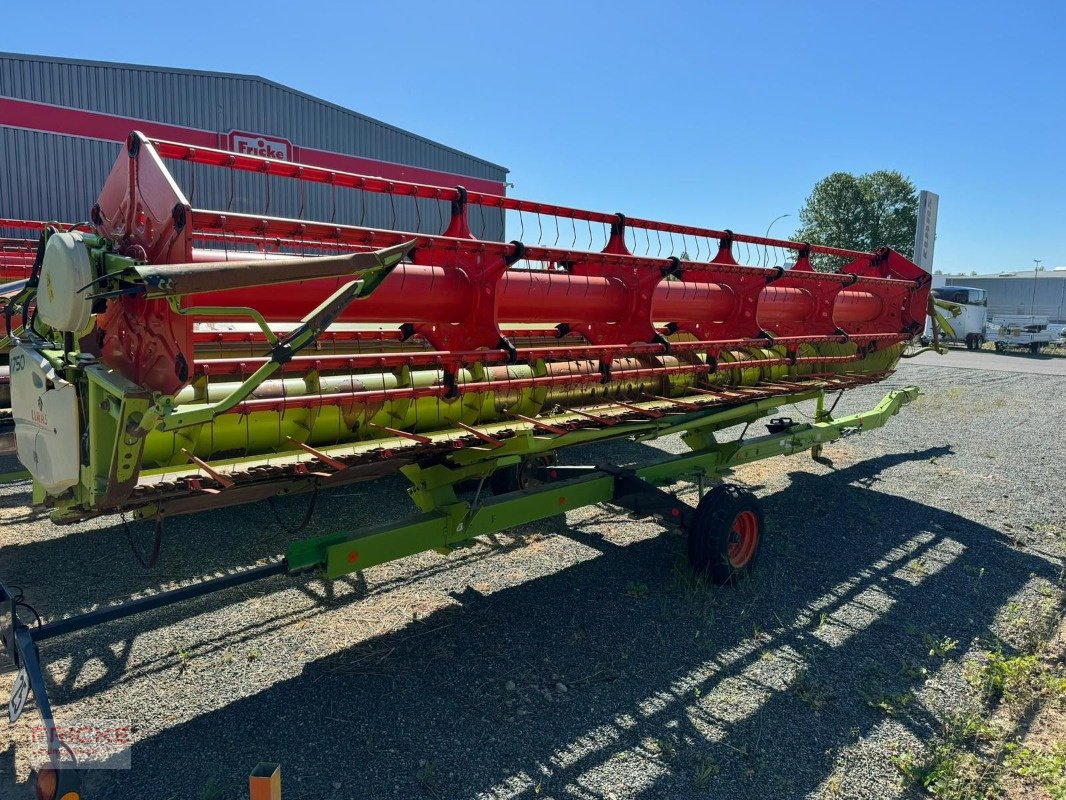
1036	274
766	251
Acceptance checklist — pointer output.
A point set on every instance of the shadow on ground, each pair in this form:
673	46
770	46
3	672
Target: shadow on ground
667	691
84	557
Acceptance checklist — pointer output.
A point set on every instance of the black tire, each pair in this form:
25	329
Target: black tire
1001	347
520	475
970	342
725	533
1034	348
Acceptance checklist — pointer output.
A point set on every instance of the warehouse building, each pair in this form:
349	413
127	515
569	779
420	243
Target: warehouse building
1041	293
62	122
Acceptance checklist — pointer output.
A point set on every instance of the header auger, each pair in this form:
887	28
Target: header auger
169	359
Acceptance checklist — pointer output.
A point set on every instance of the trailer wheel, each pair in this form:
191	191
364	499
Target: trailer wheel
725	533
1001	347
57	782
521	475
1034	348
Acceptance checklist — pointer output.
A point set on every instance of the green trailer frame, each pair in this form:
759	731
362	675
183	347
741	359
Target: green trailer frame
448	520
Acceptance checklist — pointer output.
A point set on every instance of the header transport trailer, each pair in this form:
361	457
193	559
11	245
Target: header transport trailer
171	359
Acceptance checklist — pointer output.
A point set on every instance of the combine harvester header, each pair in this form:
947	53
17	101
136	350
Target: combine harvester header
169	359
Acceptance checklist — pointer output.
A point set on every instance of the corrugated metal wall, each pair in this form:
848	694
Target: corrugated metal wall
1044	296
48	176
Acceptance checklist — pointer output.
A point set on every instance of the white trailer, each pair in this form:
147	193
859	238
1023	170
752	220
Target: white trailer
1019	330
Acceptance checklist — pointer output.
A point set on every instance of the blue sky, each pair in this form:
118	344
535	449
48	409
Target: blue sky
705	113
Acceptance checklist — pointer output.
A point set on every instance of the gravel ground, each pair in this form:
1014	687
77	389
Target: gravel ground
576	658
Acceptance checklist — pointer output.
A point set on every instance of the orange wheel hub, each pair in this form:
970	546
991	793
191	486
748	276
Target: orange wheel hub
743	539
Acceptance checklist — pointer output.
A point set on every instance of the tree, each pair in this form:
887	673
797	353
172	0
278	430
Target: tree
860	212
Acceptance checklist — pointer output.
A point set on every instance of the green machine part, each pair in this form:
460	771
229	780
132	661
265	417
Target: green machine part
447	521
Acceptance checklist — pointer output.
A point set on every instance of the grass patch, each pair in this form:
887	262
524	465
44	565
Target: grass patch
939	648
892	704
1050	529
664	747
706	769
972	759
427	778
913	670
636	589
1028	627
1017	681
879	692
1047	769
810	692
698	595
955	766
951	772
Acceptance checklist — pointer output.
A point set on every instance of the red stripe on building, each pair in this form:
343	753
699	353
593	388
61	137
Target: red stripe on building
66	121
